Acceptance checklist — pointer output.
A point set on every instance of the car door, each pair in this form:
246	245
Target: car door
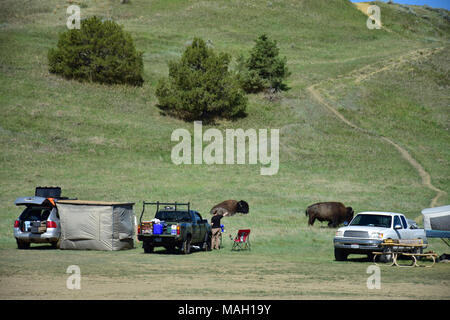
408	233
202	227
195	227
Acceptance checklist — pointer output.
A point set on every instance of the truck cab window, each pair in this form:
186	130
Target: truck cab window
197	218
405	225
397	221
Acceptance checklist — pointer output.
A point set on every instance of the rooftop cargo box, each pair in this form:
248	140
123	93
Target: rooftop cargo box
48	192
96	225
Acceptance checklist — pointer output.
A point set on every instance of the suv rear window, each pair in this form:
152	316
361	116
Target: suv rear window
35	214
197	217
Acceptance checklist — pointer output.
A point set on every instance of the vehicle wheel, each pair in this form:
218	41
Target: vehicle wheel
186	247
340	254
387	256
148	248
370	257
55	244
22	245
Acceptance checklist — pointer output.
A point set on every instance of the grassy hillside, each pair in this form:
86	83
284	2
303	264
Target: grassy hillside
102	142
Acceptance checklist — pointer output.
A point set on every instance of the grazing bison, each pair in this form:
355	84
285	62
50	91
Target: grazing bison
230	206
334	212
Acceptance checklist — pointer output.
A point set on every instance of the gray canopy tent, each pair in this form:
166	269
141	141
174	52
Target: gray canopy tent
96	225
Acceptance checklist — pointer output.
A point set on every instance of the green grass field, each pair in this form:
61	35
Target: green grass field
111	143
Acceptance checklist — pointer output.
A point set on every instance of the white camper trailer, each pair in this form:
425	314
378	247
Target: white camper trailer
436	222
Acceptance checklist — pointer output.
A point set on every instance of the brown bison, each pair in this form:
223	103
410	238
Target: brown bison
334	212
230	206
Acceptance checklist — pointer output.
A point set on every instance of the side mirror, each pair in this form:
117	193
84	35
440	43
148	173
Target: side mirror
345	223
397	226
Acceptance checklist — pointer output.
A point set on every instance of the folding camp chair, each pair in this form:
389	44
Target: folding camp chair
242	240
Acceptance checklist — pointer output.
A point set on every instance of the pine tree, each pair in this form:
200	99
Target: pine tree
98	51
264	68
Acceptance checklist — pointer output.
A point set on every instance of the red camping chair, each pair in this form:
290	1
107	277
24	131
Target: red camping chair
242	240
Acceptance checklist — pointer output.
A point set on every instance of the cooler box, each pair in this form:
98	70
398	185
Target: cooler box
157	228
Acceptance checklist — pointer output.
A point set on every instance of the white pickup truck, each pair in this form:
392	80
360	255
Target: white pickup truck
368	230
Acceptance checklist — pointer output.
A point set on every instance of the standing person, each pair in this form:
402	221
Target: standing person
216	230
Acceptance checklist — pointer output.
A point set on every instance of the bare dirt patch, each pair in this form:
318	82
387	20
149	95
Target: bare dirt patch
249	281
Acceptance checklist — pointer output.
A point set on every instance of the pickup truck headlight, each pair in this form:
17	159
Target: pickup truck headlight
376	235
339	233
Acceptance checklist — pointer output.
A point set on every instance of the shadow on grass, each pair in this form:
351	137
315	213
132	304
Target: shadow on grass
212	121
163	251
370	259
360	259
41	247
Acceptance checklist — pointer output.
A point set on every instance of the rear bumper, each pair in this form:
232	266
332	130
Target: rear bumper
46	237
358	245
160	239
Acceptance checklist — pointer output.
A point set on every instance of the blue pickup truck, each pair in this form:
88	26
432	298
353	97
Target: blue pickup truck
174	228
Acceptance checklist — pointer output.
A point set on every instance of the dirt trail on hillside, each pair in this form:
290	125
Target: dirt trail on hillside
371	70
365	73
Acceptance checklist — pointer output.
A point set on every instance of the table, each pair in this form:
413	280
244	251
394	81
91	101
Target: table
404	248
